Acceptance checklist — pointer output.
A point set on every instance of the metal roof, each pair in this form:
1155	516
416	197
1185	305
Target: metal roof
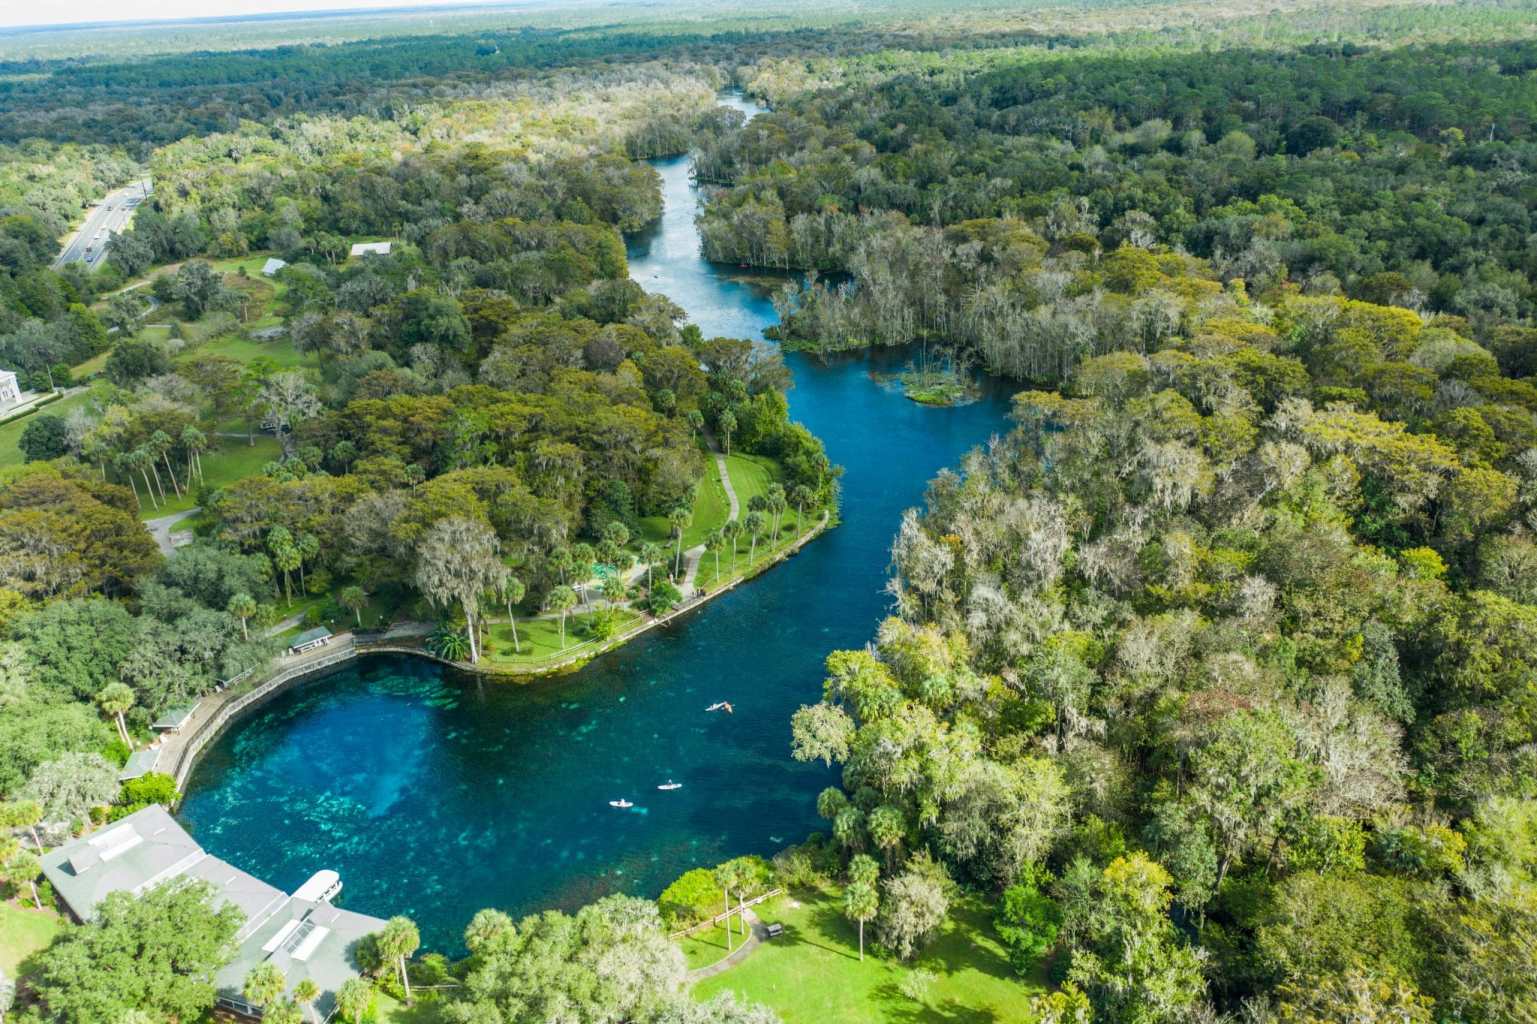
175	718
273	265
142	850
309	636
302	938
140	762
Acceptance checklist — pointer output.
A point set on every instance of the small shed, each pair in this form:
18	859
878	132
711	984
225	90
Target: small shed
272	266
310	639
371	248
269	333
140	763
174	719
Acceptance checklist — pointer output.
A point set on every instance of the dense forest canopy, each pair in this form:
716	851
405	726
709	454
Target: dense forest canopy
1211	683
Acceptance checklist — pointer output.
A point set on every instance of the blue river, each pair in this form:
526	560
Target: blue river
435	795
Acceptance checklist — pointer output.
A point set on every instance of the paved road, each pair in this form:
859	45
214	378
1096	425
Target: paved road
161	528
106	219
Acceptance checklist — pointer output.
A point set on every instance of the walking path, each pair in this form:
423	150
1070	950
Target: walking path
214	709
736	956
725	481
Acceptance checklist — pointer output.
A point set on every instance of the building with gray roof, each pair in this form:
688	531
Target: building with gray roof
303	935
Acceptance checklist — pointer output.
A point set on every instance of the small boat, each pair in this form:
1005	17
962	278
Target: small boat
670	785
719	705
621	804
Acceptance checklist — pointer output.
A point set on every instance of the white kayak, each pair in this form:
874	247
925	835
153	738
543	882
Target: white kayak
670	785
620	804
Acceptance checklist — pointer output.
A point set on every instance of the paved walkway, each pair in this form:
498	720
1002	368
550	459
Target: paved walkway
736	956
161	527
209	706
725	481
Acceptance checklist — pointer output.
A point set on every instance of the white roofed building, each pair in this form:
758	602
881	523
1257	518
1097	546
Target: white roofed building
303	935
371	248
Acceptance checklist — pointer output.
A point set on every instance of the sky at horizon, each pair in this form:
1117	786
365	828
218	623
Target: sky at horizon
21	14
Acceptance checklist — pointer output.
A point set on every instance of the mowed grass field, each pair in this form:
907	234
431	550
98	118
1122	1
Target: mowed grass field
812	973
23	931
232	460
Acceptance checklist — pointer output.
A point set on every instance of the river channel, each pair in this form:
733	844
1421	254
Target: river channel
435	795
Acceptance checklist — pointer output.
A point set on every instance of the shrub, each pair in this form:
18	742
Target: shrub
692	898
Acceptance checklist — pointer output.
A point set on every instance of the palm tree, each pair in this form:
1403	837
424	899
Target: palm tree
396	943
562	599
754	526
726	423
861	904
679	519
802	496
729	877
733	532
305	994
243	606
651	554
614	588
115	699
353	1000
195	442
713	542
285	555
354	599
775	503
160	442
512	593
264	984
309	546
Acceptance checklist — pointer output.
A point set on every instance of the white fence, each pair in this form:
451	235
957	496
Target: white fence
718	918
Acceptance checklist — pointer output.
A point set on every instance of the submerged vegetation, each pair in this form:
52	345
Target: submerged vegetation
1206	692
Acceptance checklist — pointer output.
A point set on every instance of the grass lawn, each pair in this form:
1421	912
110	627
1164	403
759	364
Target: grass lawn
539	639
90	367
23	931
281	351
702	949
389	1010
10	433
812	973
711	509
750	475
232	460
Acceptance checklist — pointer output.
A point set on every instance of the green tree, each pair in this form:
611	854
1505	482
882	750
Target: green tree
1125	952
397	942
264	985
354	999
678	520
561	600
459	559
512	594
305	994
115	699
753	524
242	606
354	598
860	904
650	554
156	953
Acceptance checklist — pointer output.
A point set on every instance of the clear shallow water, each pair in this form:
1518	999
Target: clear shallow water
435	795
